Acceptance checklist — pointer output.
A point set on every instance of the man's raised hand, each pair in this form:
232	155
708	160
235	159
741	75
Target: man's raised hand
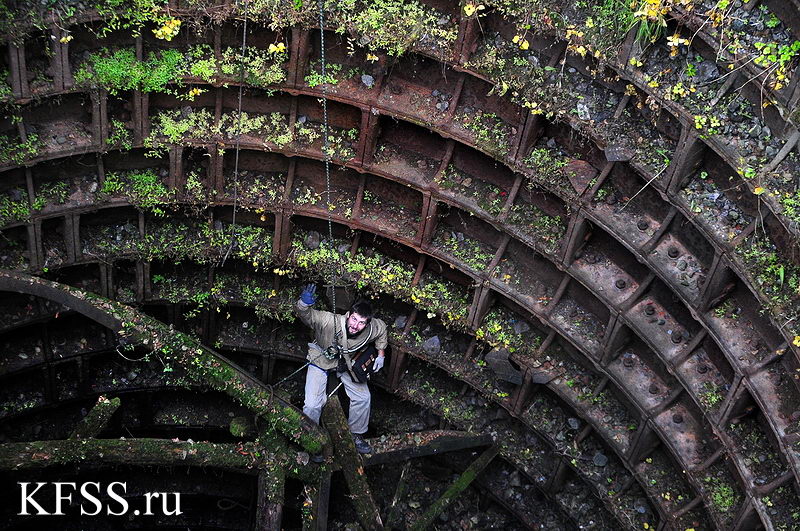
309	294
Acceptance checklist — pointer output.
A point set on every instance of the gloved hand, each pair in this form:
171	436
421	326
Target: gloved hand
309	295
378	363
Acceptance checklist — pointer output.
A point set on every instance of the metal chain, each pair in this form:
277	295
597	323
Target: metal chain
326	155
238	130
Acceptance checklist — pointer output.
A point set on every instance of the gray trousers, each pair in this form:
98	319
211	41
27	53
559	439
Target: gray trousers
316	382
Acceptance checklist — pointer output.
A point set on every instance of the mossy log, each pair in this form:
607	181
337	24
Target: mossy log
202	365
94	422
352	465
269	506
142	452
455	489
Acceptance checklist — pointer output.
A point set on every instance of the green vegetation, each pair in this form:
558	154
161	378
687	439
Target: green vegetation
709	125
548	168
119	70
711	396
261	68
315	78
548	230
471	252
726	309
130	14
202	63
777	279
490	132
119	136
778	59
17	151
143	188
54	193
396	25
497	330
12	210
722	494
791	205
487	196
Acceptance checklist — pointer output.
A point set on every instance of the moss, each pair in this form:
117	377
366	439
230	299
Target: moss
97	418
239	427
41	454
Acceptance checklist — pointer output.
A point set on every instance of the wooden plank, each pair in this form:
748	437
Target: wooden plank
397	448
94	422
269	505
398	495
458	486
352	465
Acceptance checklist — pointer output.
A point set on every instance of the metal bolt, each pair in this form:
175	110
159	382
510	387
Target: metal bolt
677	418
649	309
642	225
620	283
653	389
702	369
673	252
676	337
627	360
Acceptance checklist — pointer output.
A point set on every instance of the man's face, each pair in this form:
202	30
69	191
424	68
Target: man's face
356	323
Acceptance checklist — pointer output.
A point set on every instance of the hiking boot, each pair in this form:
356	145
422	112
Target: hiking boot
362	446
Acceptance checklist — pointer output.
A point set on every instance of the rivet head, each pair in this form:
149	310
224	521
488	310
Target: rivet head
649	309
673	252
702	369
642	225
620	283
653	389
676	337
628	360
677	418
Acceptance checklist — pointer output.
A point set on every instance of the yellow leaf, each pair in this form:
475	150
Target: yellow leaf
758	190
524	45
516	39
470	9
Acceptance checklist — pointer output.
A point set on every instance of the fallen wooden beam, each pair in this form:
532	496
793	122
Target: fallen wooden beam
99	452
401	447
398	495
202	365
269	505
455	489
94	421
351	464
315	506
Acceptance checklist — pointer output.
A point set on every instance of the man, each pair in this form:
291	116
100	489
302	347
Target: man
358	329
